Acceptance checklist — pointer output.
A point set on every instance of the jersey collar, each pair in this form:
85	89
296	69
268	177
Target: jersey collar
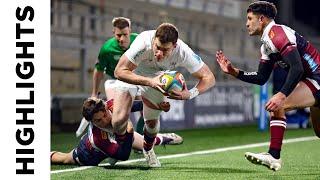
267	29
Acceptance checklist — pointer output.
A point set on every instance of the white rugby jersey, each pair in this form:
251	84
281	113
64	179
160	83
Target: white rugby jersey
140	53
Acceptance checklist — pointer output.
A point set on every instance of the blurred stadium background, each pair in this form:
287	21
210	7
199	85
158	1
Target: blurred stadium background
80	27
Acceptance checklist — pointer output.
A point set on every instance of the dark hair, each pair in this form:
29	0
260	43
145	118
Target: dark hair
167	32
263	7
121	22
91	106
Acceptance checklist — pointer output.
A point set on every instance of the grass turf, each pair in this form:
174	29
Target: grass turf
300	159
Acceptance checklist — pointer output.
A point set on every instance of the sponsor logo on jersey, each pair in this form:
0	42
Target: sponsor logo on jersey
250	73
271	34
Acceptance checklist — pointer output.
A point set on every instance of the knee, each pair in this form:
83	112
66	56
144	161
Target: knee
119	117
152	126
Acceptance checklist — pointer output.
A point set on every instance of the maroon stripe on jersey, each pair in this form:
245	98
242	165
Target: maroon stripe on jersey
102	142
279	38
288	49
310	85
313	52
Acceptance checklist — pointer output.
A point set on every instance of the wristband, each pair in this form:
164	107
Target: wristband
193	92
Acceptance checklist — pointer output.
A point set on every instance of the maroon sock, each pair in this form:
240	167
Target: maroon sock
158	141
148	141
277	128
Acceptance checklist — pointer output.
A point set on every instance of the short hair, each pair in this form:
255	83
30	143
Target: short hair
121	22
263	7
92	106
167	32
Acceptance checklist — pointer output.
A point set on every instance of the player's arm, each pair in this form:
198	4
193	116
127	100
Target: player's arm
124	72
206	81
259	77
114	150
96	79
205	77
292	58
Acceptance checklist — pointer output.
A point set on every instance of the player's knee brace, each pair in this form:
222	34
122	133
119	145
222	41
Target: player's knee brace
154	130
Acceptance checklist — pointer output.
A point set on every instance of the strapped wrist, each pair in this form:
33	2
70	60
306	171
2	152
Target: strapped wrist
193	92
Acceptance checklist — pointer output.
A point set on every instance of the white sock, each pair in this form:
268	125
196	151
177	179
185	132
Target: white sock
83	125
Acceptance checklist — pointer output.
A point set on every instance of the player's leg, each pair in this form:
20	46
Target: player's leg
152	123
140	122
300	97
62	158
121	108
315	118
110	86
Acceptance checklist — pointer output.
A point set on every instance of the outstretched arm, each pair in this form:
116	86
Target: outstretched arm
260	77
96	79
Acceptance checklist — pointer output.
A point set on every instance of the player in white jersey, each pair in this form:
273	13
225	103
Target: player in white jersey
152	52
284	47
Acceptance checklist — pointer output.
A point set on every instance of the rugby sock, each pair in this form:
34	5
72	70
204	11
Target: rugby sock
277	128
148	141
158	140
140	125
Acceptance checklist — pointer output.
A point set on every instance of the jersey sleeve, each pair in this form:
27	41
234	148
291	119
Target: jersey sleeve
191	61
282	39
264	55
101	63
136	48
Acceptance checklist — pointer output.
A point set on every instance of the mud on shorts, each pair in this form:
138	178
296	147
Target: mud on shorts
84	154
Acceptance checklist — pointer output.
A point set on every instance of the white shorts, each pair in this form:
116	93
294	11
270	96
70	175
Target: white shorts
147	92
111	84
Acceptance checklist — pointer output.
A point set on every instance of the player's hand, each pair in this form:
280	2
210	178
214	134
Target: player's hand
275	102
225	64
180	95
156	84
164	106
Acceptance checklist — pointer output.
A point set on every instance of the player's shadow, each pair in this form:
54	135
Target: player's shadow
127	167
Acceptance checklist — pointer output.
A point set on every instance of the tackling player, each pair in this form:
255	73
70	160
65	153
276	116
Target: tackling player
108	58
99	144
283	46
151	52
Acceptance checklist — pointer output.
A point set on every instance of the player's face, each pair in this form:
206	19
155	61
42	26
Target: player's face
122	36
254	24
161	51
102	119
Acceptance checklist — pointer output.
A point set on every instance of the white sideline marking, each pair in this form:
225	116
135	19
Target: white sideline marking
310	138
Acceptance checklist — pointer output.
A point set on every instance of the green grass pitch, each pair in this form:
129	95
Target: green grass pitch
300	159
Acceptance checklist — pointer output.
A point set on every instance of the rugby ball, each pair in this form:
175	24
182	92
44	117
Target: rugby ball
172	80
